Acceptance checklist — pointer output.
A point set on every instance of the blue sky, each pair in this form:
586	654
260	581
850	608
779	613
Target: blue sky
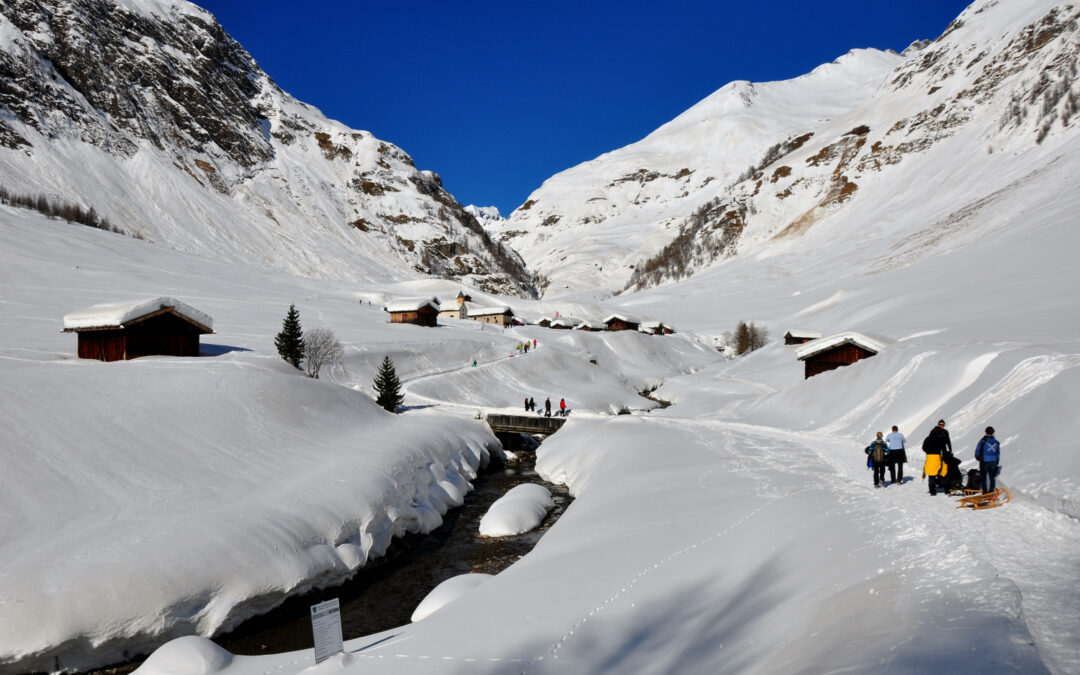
498	96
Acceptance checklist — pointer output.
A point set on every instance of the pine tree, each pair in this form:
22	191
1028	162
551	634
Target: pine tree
742	338
388	385
290	341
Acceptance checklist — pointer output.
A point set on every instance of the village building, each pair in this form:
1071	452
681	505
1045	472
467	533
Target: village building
621	322
835	351
566	323
798	336
592	327
459	310
655	328
499	316
545	322
419	311
127	330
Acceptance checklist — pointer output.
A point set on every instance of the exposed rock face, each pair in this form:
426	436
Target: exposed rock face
761	165
155	117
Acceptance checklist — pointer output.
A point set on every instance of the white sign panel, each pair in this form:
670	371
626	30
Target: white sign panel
326	626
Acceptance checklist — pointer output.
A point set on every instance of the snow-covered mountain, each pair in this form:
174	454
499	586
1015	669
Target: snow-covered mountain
152	116
754	166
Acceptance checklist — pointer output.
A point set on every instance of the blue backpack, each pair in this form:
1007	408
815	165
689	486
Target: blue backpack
989	450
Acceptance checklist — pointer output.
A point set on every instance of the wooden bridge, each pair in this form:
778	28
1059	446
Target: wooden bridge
525	424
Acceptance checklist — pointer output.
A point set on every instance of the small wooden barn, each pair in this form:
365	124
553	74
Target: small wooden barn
117	331
655	328
842	349
621	322
500	316
797	336
592	327
419	311
566	323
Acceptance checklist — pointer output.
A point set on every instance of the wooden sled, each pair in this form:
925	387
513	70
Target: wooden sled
977	500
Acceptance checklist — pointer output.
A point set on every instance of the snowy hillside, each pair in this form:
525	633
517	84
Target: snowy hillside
149	114
754	166
148	505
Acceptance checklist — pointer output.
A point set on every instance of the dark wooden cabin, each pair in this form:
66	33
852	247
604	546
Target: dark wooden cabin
423	312
619	322
833	352
161	332
798	337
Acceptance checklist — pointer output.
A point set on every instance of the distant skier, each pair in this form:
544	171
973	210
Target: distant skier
897	455
547	407
878	450
936	444
988	452
534	344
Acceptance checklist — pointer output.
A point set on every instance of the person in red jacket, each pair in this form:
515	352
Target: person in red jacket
562	407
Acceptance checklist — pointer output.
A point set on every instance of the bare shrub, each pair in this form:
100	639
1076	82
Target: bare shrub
321	349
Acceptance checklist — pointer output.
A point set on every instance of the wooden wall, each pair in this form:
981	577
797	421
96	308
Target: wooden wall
844	355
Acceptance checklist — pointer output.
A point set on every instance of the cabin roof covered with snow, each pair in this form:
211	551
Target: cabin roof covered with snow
820	345
117	314
625	318
411	305
566	321
805	334
484	311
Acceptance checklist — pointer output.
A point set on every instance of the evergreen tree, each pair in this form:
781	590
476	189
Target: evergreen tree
388	385
290	341
742	338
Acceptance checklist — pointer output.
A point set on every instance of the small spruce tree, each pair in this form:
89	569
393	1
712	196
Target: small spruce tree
290	341
388	385
742	338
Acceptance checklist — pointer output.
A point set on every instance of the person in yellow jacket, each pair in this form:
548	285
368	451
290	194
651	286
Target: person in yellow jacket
936	444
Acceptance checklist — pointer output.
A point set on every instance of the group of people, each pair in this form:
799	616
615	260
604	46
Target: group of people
530	404
891	452
523	347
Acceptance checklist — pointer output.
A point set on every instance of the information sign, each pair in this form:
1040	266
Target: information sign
326	627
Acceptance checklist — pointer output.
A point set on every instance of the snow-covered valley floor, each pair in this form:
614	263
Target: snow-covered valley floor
735	531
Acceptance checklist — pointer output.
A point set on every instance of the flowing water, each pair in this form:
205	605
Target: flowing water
383	594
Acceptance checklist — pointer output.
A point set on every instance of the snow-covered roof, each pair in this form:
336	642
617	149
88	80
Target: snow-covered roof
566	321
592	325
410	304
809	349
117	314
625	318
801	333
484	311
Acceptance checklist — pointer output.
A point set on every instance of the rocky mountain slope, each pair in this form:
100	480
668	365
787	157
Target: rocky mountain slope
757	165
149	114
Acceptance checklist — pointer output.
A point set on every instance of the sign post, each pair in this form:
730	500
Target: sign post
326	627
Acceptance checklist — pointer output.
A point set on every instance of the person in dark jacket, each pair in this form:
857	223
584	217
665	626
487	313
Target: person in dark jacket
532	404
937	443
878	450
988	452
547	407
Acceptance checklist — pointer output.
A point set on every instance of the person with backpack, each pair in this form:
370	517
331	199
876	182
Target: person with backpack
878	450
897	456
936	444
988	452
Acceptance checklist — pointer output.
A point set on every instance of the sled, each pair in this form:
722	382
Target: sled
979	501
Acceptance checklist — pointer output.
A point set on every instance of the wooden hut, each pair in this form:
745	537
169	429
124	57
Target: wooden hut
797	336
545	322
419	311
117	331
500	316
841	349
566	323
621	322
654	328
592	327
